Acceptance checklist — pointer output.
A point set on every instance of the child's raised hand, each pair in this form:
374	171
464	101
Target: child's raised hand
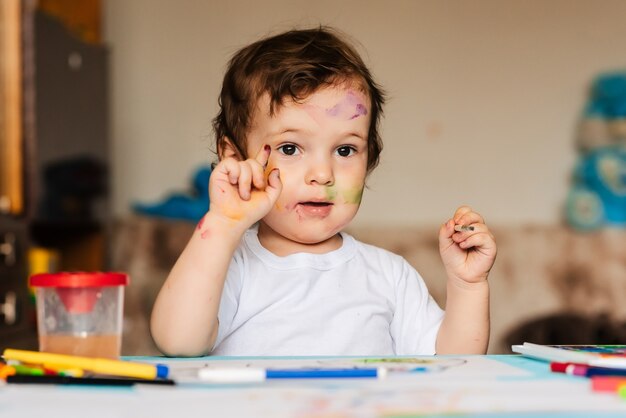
469	254
241	192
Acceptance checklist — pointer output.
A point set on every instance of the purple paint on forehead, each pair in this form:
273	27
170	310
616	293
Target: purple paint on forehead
346	106
334	111
360	111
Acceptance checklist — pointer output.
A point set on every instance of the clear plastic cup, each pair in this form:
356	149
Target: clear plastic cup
80	313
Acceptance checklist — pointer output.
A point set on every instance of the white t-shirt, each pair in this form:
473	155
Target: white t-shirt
356	300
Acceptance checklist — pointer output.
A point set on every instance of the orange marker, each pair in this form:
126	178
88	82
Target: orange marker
6	370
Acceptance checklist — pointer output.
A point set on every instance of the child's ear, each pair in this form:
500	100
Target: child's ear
227	149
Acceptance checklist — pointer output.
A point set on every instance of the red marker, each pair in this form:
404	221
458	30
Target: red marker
569	368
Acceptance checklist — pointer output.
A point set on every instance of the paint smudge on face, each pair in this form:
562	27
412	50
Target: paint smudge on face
351	107
331	193
205	234
353	195
360	111
200	223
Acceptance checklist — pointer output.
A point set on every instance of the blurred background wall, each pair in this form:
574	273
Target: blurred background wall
483	95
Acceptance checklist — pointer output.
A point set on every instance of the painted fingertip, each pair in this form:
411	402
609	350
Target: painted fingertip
267	148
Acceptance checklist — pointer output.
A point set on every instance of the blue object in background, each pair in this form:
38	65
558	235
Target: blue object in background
599	193
584	209
180	206
608	95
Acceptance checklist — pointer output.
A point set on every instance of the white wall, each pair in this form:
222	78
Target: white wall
484	95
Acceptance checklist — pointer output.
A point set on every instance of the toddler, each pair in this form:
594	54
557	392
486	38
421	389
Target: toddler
268	270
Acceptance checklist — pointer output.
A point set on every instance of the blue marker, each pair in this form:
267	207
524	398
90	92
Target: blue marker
246	375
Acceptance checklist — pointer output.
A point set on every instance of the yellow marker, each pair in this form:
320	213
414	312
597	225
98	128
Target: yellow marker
96	365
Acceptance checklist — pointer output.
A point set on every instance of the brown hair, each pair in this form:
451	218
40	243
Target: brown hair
291	64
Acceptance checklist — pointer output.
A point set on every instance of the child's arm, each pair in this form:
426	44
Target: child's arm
184	319
468	257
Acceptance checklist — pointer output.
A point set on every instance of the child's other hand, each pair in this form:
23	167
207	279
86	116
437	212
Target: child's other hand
467	255
240	191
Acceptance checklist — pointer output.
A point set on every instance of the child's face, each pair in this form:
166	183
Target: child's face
320	147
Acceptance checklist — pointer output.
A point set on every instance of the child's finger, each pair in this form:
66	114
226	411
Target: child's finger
263	155
446	231
245	180
258	175
461	210
468	218
462	232
483	241
231	169
274	185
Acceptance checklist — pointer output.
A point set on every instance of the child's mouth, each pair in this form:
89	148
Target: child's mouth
314	209
316	204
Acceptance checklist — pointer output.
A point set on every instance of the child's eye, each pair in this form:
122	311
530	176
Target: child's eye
345	151
288	149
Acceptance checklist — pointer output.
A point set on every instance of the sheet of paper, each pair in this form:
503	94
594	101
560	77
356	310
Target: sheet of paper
445	367
454	385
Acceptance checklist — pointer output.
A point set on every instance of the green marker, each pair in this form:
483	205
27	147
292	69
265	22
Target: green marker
30	371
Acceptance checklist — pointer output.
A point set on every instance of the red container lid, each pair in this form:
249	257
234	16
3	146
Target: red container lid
79	279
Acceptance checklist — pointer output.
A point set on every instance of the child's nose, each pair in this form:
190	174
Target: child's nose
320	173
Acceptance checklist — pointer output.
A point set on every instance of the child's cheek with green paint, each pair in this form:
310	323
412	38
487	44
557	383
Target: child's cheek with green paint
353	194
349	194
